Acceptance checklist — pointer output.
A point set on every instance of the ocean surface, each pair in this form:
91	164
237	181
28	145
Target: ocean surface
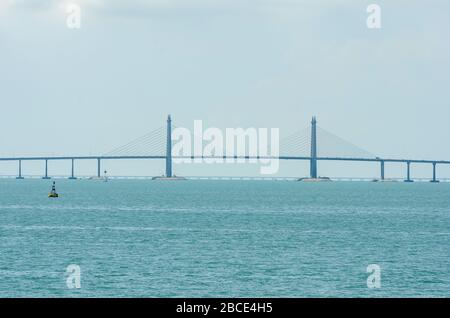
142	238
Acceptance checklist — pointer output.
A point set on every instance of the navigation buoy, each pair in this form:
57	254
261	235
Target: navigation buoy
53	193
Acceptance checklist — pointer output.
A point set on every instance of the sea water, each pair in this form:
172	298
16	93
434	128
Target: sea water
142	238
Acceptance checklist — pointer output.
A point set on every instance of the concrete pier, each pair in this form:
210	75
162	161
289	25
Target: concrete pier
408	172
19	177
72	175
46	170
434	180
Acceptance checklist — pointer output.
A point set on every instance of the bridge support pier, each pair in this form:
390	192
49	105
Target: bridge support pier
46	170
98	167
20	170
382	170
408	172
72	175
435	180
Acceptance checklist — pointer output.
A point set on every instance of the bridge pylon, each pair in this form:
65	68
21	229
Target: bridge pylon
169	174
169	148
313	160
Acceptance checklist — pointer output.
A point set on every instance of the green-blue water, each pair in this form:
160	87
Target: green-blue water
224	238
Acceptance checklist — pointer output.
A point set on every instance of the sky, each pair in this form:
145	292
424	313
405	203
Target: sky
230	63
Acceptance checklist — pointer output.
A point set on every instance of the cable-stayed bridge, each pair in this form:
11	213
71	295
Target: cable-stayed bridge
312	144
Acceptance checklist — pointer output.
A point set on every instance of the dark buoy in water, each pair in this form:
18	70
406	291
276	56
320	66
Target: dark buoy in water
53	193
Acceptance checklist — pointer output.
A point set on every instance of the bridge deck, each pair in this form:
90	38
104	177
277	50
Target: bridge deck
50	158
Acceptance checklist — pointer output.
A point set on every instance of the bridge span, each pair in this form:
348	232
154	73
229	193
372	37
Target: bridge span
313	159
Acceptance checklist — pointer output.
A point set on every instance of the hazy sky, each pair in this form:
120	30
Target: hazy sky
249	63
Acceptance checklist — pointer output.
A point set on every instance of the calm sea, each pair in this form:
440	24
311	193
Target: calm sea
224	238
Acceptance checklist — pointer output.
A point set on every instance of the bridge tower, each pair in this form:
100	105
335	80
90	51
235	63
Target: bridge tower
169	148
313	162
